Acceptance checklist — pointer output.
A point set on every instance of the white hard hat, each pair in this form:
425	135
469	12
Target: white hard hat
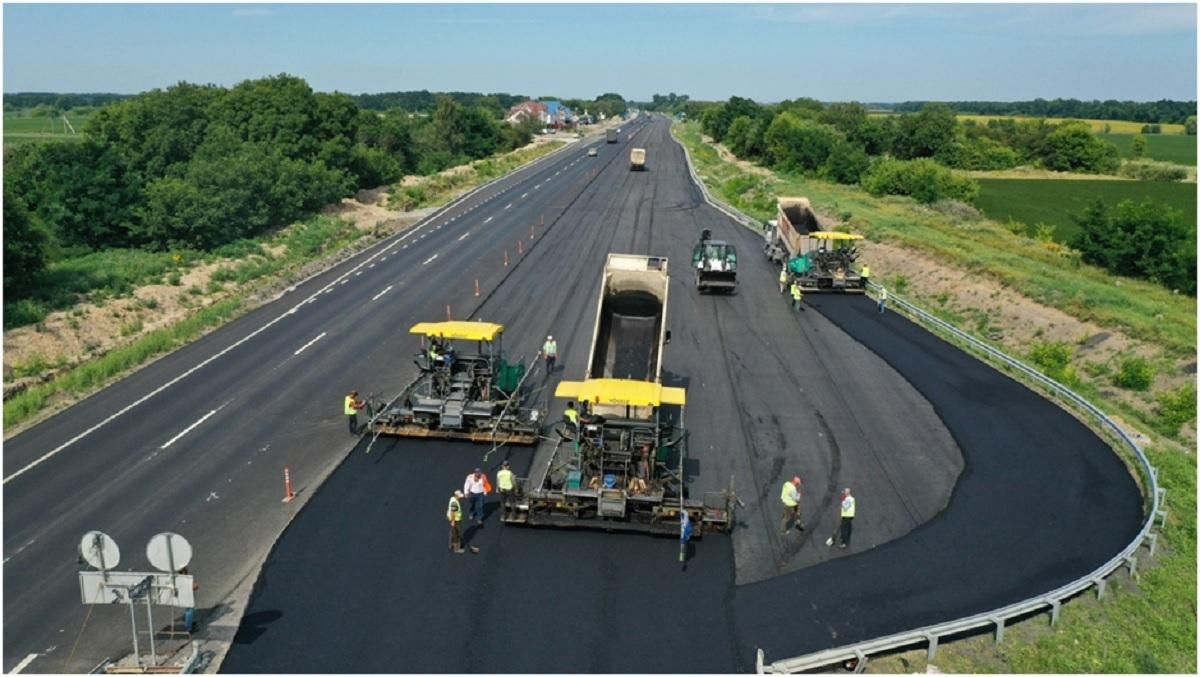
549	338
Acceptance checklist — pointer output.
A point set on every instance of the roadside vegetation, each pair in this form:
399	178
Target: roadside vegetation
1147	379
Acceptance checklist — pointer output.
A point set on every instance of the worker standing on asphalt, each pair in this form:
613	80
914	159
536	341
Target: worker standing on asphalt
790	496
783	278
797	297
352	405
882	299
550	350
454	516
847	523
506	484
865	275
477	487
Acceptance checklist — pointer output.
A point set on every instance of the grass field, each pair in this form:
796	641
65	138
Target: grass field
1052	201
1177	148
20	128
1098	126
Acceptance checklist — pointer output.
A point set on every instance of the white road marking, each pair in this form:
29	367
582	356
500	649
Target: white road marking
488	219
404	247
426	261
385	258
463	236
24	663
376	297
508	205
191	427
318	338
343	282
356	274
19	550
524	194
537	186
373	265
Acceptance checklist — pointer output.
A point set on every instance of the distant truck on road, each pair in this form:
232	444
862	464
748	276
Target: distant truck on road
610	136
637	159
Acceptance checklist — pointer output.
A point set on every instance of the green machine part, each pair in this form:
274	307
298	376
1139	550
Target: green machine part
508	376
800	265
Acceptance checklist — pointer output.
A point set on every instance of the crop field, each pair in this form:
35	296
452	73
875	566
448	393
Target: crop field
1098	126
1177	148
21	128
1053	201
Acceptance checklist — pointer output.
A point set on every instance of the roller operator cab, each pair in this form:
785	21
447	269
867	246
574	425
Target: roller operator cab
715	265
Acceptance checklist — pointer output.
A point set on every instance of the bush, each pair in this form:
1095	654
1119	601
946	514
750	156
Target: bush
1177	407
1053	358
1139	239
922	179
1146	170
1135	373
1072	147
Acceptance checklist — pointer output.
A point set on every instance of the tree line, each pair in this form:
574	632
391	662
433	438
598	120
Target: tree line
61	102
1163	111
198	166
424	101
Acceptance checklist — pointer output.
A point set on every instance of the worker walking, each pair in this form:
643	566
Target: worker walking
882	299
352	405
550	350
797	297
477	487
790	496
783	278
507	486
454	516
847	524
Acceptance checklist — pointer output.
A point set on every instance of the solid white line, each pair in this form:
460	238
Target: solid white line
463	236
25	663
429	259
191	427
488	219
306	345
376	297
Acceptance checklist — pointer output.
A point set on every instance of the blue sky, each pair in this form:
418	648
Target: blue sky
766	52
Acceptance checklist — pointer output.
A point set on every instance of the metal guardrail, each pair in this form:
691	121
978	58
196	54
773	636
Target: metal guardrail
997	618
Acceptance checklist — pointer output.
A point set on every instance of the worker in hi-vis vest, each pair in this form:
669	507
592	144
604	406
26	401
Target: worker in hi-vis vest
506	485
783	278
882	299
847	524
790	497
454	516
797	297
352	405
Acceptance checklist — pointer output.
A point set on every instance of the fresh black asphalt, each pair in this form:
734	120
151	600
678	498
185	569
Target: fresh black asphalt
973	491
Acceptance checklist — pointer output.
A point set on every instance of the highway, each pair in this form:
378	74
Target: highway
972	490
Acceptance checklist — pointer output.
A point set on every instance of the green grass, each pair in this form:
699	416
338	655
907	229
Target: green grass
95	374
1039	271
439	189
1177	148
1052	201
20	128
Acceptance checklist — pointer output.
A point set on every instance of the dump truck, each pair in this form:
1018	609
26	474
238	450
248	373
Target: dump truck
620	467
610	136
820	260
465	389
715	264
637	159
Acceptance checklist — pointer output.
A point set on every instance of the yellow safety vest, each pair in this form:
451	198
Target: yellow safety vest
350	410
572	416
504	480
786	495
782	275
882	294
797	293
848	506
454	510
866	272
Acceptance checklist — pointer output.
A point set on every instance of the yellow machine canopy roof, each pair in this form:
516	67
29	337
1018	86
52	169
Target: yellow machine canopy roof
620	391
459	329
833	235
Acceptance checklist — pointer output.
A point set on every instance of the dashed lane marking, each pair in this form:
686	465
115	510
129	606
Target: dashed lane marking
306	345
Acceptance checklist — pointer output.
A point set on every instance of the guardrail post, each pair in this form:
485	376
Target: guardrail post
1162	516
860	662
999	628
1153	538
933	646
758	662
1100	585
1055	607
1132	562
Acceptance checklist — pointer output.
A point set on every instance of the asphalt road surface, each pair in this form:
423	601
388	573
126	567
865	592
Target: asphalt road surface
973	491
361	581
